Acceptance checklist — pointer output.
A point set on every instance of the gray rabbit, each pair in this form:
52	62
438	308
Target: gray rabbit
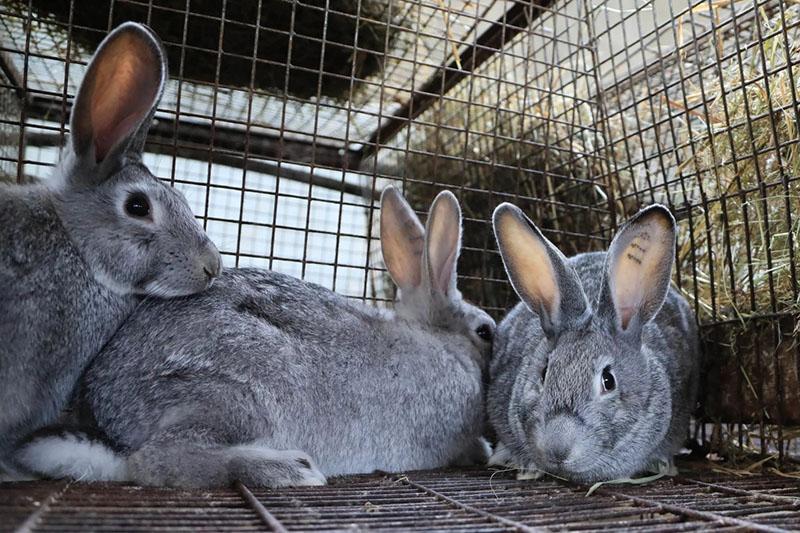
595	372
79	251
274	381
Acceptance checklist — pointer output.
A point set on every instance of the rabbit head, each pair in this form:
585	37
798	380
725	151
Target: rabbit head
422	263
588	402
137	235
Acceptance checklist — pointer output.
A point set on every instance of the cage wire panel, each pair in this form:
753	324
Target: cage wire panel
283	120
419	501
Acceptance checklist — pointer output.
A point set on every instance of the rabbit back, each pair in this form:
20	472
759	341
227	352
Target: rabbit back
263	356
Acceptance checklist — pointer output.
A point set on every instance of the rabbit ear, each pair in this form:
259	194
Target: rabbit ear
539	272
443	242
402	239
638	269
116	101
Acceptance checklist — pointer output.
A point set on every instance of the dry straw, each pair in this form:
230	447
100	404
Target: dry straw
721	148
737	173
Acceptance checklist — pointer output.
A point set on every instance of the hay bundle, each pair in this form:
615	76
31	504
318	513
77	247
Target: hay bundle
735	167
709	152
317	38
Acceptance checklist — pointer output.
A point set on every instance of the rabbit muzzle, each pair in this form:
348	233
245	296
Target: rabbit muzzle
560	445
211	263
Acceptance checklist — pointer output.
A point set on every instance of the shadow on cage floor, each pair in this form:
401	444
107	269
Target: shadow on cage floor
452	500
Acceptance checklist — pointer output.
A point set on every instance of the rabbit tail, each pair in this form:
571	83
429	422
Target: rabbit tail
72	454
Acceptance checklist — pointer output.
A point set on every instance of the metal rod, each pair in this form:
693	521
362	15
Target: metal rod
160	145
691	513
774	498
470	509
268	518
32	521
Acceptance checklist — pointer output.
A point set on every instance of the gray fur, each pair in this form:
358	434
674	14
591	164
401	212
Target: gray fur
563	425
226	384
73	262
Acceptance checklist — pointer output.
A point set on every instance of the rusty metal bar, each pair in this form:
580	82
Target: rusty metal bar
268	518
774	498
518	526
690	513
225	137
29	524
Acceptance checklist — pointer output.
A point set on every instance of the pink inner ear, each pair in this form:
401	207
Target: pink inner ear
444	235
126	85
625	315
402	240
444	276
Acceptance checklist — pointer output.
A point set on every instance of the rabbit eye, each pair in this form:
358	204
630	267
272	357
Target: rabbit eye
137	205
609	383
484	331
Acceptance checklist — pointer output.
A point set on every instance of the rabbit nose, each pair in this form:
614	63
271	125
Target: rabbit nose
212	263
559	437
558	455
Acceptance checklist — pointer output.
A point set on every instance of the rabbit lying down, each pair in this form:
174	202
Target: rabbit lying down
595	371
274	381
79	250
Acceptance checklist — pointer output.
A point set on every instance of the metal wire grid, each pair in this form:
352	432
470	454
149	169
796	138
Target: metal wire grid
510	131
227	128
290	116
9	149
673	87
700	126
431	501
596	109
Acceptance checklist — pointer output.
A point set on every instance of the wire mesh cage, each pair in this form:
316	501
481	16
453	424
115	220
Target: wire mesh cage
283	120
421	501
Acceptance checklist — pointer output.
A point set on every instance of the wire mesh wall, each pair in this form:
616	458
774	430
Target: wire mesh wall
284	119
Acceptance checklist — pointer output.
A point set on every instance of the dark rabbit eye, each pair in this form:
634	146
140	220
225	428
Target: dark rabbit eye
609	383
137	205
484	331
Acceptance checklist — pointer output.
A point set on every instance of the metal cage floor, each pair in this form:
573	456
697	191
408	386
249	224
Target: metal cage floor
447	500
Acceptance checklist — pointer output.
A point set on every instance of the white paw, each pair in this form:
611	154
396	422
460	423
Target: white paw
665	467
72	456
278	468
501	456
529	473
311	476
